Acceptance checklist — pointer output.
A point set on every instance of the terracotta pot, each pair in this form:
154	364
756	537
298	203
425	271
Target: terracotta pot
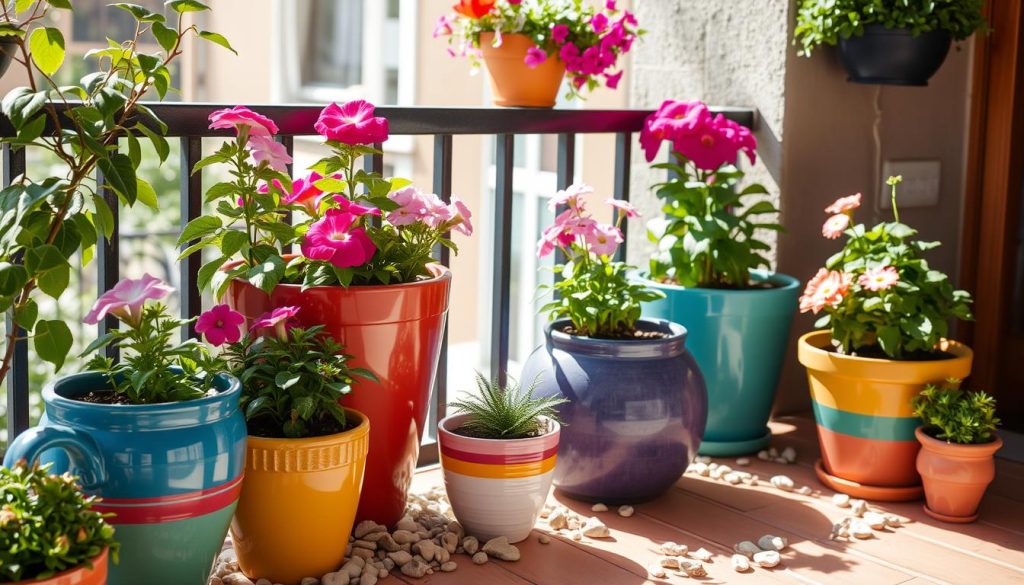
496	487
394	331
513	83
97	575
865	419
298	503
955	476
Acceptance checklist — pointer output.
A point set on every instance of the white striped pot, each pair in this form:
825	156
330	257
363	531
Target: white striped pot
497	487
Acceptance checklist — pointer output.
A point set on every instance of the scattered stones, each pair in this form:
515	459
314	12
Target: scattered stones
767	559
426	549
692	568
337	578
236	579
400	557
599	507
875	520
743	461
544	539
805	491
860	529
471	545
702	459
746	548
893	521
740	563
415	569
763	455
577	535
501	549
733	478
405	537
480	558
701	554
772	542
858	507
309	581
594	528
672	549
626	511
269	582
783	483
449	566
701	469
656	571
558	519
840	530
669	562
789	454
841	500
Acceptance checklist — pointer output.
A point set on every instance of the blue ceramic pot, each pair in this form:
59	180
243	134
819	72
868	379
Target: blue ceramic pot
171	473
739	339
635	414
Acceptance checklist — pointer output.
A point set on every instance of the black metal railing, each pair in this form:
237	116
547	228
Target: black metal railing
189	124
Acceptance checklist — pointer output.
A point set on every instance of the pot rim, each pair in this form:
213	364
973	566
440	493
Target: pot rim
442	428
279	443
666	347
811	354
50	395
440	273
879	29
53	579
958	450
788	283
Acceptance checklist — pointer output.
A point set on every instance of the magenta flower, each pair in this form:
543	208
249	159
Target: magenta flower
259	125
304	192
599	22
352	123
835	225
334	240
612	81
357	209
708	141
624	206
876	279
265	149
571	197
126	299
220	325
604	239
535	57
559	33
276	320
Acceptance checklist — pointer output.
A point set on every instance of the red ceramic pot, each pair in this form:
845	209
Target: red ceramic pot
395	332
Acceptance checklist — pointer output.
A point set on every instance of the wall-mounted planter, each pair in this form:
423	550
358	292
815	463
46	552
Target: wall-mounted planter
955	476
865	419
513	82
893	56
738	338
170	473
636	410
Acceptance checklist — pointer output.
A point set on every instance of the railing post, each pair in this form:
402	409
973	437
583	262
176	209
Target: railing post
191	208
623	154
17	376
501	302
108	259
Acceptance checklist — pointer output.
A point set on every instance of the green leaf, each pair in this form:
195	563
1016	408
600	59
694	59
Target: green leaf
54	282
159	142
21	103
206	272
199	227
42	258
183	6
62	4
32	130
139	13
304	405
165	36
104	218
47	46
53	341
217	39
146	194
331	185
286	380
120	176
267	274
12	278
23	5
134	150
232	241
27	315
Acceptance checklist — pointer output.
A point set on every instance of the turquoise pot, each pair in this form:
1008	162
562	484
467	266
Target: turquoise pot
739	339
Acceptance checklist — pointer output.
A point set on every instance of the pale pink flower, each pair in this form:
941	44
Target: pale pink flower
126	299
443	27
333	239
876	279
835	225
352	123
265	148
826	289
844	204
437	213
276	320
604	239
558	235
461	214
413	206
259	125
571	197
357	209
220	325
624	206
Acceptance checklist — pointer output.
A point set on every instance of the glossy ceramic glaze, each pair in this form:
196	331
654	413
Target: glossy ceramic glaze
299	503
955	476
170	473
635	415
513	82
893	56
394	331
496	487
738	338
95	575
865	419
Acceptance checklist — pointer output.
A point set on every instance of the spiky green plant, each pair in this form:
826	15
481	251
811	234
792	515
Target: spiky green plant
505	413
955	415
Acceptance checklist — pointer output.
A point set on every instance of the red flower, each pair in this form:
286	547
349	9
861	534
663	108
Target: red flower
474	8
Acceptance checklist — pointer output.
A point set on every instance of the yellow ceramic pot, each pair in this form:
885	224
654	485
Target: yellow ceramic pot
298	503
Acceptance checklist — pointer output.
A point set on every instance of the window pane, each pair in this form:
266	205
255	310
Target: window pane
93	20
393	9
549	152
333	52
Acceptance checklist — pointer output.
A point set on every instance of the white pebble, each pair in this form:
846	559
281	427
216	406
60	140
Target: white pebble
893	521
746	548
480	558
740	563
692	568
861	529
599	507
773	453
841	500
702	459
772	542
743	461
858	507
767	559
875	520
763	455
701	469
789	454
594	528
544	539
669	562
626	511
805	491
783	483
733	478
657	571
701	554
673	549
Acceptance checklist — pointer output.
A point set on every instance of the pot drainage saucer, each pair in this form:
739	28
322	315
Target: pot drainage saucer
952	519
868	492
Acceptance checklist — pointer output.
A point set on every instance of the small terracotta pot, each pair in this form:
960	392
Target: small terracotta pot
513	82
97	575
955	476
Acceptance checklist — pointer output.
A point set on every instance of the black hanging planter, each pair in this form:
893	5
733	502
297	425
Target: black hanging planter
893	56
7	48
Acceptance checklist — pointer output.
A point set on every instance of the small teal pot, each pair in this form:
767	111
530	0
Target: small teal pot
170	473
739	339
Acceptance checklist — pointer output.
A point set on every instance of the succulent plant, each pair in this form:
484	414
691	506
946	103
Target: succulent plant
508	412
955	415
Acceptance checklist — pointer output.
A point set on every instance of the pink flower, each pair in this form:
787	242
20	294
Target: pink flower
334	240
569	52
835	225
413	206
461	214
535	57
515	2
443	26
220	325
276	319
552	237
876	279
357	209
303	192
844	204
126	299
259	125
599	22
352	123
264	148
826	289
604	239
571	197
559	33
624	206
708	141
612	81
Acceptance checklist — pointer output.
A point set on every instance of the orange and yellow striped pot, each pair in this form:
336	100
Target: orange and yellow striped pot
497	487
865	419
298	503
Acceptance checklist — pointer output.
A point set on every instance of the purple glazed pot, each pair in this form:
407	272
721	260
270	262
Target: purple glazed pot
636	410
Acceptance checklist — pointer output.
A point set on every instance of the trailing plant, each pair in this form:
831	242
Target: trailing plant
708	236
336	208
47	525
878	292
508	412
826	21
955	415
43	224
594	292
588	40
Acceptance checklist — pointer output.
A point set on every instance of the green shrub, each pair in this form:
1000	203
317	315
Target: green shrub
505	413
955	415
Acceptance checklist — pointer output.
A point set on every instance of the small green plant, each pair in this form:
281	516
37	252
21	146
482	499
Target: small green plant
826	21
955	415
505	413
47	525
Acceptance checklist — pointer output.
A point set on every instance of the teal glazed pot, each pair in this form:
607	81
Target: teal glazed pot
739	339
170	473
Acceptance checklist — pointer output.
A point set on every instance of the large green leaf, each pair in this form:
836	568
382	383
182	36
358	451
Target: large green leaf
47	46
199	227
120	176
164	35
146	194
182	6
53	341
217	39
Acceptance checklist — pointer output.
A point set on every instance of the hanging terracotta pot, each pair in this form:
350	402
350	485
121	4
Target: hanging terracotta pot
955	476
513	82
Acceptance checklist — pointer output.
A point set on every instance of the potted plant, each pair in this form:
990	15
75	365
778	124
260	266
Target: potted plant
899	43
636	399
883	338
498	457
306	453
711	267
529	46
159	436
49	532
958	443
364	270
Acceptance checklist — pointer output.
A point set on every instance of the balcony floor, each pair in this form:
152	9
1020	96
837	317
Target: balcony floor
701	512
